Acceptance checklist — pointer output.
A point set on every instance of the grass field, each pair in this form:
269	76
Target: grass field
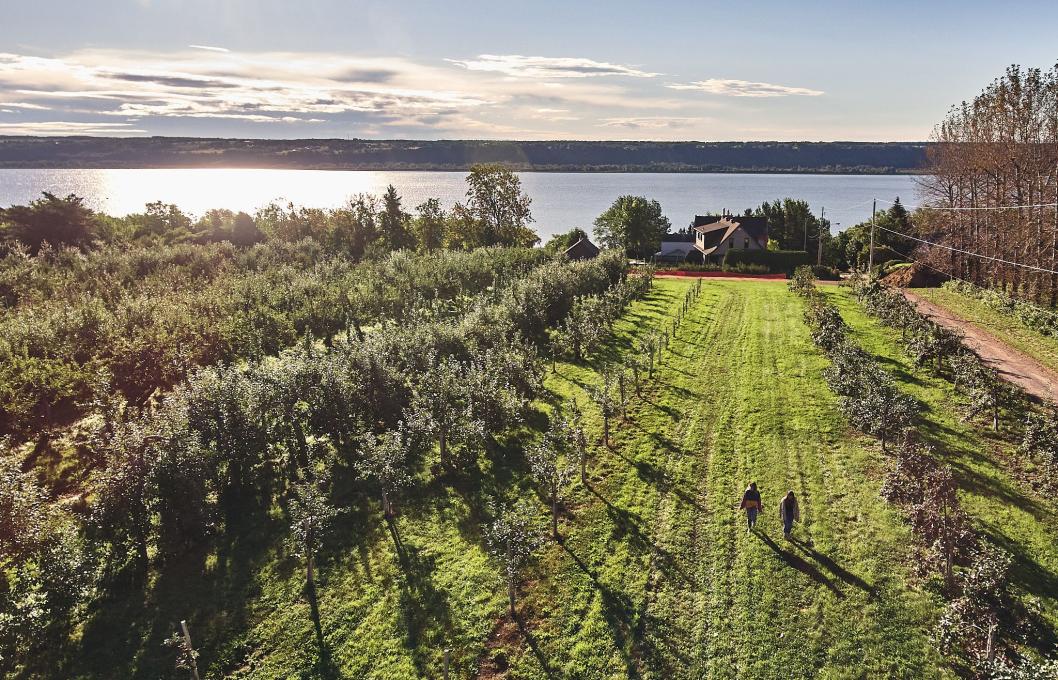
657	576
1018	518
1005	327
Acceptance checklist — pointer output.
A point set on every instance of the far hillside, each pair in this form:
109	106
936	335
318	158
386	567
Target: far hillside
362	154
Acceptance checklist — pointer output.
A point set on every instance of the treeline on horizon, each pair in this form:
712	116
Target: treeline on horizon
555	156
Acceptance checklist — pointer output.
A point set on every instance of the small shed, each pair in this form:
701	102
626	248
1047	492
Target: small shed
583	249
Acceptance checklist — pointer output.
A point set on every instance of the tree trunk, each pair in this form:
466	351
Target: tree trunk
606	430
510	578
554	515
443	441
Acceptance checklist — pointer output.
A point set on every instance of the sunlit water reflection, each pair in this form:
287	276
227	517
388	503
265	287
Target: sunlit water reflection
560	200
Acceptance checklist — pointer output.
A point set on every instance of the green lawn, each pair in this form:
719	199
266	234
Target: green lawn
657	576
1018	518
1007	328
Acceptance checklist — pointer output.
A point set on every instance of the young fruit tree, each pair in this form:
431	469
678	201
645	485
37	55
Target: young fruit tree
384	461
552	472
637	366
578	441
310	515
441	404
513	538
603	396
1041	442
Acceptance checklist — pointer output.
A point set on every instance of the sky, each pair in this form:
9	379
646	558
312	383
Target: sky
535	69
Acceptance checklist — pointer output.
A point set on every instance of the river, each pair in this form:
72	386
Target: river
561	200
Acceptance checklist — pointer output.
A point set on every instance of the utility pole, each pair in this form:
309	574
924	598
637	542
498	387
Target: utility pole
819	249
870	258
804	223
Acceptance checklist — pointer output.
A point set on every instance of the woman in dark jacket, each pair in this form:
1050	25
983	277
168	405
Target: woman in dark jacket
788	512
751	503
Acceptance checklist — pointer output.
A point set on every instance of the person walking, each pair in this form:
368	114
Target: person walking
751	504
789	511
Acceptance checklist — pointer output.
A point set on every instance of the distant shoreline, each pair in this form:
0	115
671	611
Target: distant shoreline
174	153
589	171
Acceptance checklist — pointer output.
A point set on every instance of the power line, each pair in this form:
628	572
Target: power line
967	252
973	208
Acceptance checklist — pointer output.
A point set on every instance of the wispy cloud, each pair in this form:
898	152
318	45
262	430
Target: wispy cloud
25	105
209	48
651	122
744	88
257	88
519	66
58	127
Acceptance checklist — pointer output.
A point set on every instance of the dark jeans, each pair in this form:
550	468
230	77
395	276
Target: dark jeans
787	525
751	516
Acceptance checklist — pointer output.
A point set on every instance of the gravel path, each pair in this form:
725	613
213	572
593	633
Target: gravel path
1022	370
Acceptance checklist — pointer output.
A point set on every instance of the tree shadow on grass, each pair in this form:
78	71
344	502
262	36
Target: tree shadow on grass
533	643
651	474
125	628
620	614
324	668
628	526
423	605
801	565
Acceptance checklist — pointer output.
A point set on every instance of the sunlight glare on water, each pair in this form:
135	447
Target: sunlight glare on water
560	200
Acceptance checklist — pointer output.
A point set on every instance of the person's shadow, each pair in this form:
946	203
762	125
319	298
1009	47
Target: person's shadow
833	567
800	564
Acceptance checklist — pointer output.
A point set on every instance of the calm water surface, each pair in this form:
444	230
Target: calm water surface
560	200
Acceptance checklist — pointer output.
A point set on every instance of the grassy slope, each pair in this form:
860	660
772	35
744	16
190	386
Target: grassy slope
1021	520
1005	327
658	576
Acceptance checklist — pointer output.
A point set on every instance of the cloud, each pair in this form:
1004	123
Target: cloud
27	106
57	127
169	80
367	75
518	66
256	88
209	48
650	122
744	88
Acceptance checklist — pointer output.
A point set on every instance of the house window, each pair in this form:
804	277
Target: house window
746	244
731	242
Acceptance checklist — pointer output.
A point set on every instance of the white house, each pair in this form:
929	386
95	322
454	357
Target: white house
714	235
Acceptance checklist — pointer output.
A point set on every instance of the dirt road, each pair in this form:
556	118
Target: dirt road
1022	370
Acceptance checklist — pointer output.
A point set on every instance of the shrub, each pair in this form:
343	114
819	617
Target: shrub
784	261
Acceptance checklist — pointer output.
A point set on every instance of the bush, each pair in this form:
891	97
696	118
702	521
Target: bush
776	261
1036	317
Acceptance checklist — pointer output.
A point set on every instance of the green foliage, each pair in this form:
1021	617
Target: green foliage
1040	441
513	538
803	281
145	316
634	224
852	246
776	261
559	243
496	211
1035	317
52	220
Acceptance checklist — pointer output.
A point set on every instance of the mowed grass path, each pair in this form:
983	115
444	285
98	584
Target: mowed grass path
658	577
1016	517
